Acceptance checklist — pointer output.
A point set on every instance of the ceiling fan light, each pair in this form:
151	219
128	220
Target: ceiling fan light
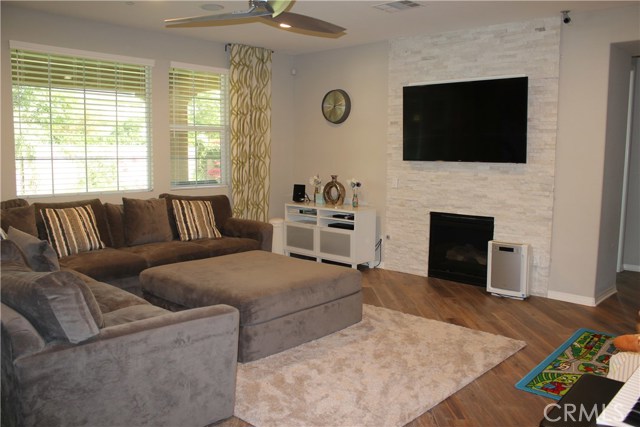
284	25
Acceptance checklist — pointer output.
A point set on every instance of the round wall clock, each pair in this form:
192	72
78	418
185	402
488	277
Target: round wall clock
336	106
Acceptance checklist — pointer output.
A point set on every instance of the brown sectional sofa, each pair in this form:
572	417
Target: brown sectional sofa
77	350
122	227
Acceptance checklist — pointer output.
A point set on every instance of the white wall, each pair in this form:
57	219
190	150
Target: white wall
580	270
34	27
356	147
282	133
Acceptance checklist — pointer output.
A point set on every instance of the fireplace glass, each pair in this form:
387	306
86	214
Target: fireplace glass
458	247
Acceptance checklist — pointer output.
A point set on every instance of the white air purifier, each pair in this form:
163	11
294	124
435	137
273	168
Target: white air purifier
508	269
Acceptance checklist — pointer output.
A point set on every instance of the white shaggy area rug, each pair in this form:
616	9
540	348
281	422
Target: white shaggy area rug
384	371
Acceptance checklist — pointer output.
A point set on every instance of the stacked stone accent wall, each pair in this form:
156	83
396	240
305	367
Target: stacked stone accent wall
518	196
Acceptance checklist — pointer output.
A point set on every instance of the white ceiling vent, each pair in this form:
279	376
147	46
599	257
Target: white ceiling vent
397	6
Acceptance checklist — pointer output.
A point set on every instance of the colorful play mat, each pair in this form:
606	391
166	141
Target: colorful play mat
585	352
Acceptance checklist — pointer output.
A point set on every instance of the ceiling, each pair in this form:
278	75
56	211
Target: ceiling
364	22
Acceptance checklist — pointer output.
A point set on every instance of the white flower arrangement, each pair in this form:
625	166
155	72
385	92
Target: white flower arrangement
315	181
354	183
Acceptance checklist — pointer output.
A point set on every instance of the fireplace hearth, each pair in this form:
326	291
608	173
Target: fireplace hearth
458	247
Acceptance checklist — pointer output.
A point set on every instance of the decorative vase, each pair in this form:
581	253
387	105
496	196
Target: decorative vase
354	199
317	196
334	192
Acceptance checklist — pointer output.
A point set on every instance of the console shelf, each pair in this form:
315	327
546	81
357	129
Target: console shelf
336	233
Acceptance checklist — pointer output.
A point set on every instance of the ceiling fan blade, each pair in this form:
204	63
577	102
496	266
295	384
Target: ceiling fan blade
219	19
270	11
304	22
278	6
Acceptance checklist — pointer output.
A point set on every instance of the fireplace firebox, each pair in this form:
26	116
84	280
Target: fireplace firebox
458	247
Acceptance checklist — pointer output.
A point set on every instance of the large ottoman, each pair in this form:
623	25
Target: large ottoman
283	302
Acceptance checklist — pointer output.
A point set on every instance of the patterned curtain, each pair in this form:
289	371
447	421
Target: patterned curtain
250	103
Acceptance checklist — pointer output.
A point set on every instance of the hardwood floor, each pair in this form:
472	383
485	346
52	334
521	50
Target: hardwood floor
492	400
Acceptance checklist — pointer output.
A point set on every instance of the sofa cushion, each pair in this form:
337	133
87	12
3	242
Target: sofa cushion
98	212
105	264
228	245
10	265
13	203
21	217
72	230
161	253
220	204
195	220
10	254
115	217
39	254
146	221
58	304
109	297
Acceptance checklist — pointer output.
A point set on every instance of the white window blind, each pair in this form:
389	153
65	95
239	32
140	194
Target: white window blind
81	125
199	127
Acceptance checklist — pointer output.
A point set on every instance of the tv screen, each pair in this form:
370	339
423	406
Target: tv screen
467	121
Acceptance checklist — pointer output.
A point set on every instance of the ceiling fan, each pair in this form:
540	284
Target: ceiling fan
273	12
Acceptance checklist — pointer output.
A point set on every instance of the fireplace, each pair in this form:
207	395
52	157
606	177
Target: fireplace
458	247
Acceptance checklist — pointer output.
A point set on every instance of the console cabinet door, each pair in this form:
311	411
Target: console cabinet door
299	236
335	243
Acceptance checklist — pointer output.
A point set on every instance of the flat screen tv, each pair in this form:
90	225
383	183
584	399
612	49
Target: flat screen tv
466	121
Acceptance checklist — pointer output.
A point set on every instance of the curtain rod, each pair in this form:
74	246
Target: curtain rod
226	47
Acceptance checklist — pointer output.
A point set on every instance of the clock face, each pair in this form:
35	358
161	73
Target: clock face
336	106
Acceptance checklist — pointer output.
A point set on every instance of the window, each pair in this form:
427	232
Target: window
199	126
81	124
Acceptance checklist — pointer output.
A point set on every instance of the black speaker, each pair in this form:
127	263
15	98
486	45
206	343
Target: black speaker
298	193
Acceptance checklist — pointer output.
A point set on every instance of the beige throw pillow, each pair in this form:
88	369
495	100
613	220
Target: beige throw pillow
72	230
195	220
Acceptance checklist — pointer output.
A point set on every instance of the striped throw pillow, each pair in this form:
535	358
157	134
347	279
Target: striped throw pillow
195	220
72	230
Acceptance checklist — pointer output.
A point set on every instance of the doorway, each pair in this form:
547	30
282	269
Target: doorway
629	244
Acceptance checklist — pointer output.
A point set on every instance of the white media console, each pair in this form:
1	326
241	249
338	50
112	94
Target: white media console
336	233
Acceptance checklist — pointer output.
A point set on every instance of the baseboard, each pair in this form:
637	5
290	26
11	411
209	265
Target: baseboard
631	267
582	300
572	298
606	294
